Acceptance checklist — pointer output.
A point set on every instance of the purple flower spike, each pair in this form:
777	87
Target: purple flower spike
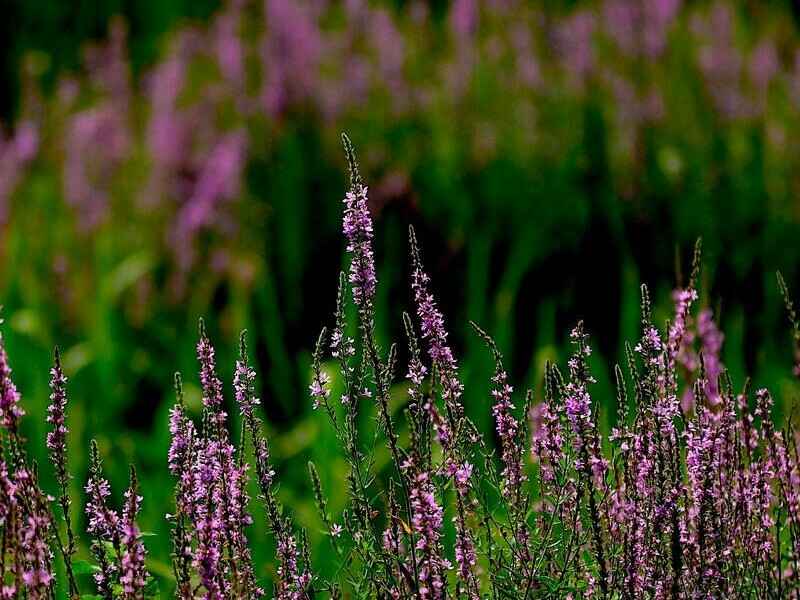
35	534
10	410
433	328
103	521
426	523
357	228
56	416
507	428
134	575
213	400
292	580
182	431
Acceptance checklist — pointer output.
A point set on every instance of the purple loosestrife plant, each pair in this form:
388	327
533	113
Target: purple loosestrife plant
211	503
103	527
366	376
455	432
133	575
590	464
10	410
27	520
511	438
294	578
116	540
357	228
679	502
179	460
35	532
57	446
210	492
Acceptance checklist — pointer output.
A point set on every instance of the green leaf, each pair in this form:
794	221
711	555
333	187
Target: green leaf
151	588
84	567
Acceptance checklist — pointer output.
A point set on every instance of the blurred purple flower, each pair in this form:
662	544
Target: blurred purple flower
219	181
166	131
228	45
574	40
97	141
763	66
464	17
721	63
15	154
291	51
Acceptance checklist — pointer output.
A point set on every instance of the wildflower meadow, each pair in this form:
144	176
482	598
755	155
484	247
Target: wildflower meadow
473	299
694	493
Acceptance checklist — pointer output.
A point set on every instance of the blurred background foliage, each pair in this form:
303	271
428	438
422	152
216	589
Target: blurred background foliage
162	161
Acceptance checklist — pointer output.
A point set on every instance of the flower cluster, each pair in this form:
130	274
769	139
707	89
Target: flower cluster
357	228
10	410
209	526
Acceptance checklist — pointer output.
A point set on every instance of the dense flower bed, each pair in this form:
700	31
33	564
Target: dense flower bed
695	494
